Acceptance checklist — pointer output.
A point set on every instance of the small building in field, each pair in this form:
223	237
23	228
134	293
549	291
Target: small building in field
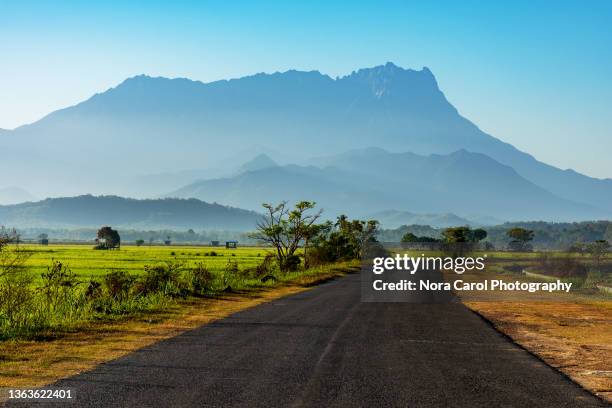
44	241
214	243
231	244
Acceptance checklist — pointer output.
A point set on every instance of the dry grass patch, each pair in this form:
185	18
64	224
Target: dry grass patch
575	338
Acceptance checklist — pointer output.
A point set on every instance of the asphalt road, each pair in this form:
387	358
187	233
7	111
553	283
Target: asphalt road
325	347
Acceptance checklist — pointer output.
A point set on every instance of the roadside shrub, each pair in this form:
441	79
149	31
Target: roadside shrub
291	263
200	278
93	290
18	303
59	284
231	267
163	278
117	285
266	267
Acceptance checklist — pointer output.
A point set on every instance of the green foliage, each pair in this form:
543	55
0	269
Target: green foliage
410	237
163	277
546	235
41	296
520	238
285	229
201	279
463	235
598	250
342	241
108	238
59	284
117	285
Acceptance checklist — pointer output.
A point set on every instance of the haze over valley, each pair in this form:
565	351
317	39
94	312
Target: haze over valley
379	139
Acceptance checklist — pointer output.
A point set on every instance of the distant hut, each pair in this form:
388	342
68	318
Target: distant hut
214	243
231	244
43	239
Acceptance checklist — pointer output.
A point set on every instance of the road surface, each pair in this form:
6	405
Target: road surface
326	348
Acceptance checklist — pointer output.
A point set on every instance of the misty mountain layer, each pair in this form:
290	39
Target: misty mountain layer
93	212
149	136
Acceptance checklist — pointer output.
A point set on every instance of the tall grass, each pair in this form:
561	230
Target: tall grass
43	304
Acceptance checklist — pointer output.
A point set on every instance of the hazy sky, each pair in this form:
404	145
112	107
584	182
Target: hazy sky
536	74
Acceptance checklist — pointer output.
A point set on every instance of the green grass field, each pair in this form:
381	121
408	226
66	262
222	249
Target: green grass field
88	263
62	287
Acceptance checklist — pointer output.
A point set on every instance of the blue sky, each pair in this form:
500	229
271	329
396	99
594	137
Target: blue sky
536	74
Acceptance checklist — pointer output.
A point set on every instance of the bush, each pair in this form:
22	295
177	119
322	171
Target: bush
17	302
59	285
93	290
201	279
117	285
292	263
231	267
266	267
163	278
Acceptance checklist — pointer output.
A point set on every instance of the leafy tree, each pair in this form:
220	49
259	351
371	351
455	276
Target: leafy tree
139	242
108	238
598	250
285	228
463	235
357	232
479	234
410	237
520	238
344	240
311	233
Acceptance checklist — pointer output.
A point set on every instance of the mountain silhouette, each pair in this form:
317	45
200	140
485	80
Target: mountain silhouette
365	181
395	219
90	211
261	161
147	126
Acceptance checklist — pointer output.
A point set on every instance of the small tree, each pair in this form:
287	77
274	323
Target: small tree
357	232
139	242
598	250
108	238
285	229
457	235
520	239
345	240
479	234
409	237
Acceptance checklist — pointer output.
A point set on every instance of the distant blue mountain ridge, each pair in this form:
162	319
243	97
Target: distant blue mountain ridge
149	137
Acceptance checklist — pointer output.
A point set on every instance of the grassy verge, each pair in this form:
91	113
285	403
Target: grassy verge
36	362
42	296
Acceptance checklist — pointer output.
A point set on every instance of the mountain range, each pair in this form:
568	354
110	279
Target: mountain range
395	219
92	212
364	181
376	139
